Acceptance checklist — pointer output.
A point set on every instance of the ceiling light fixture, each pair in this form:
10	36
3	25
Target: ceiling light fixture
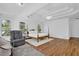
48	17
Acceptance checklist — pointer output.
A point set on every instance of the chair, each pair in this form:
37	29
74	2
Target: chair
17	38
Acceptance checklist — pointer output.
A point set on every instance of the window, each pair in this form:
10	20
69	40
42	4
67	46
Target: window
5	28
22	27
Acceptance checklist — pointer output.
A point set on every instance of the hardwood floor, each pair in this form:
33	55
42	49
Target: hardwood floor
60	47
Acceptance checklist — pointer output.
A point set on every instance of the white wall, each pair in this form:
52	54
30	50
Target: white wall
58	28
0	26
15	23
74	27
61	28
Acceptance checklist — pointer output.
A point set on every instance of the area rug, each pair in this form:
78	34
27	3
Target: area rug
35	43
26	50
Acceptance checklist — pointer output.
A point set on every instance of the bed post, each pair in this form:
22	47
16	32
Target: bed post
37	37
48	31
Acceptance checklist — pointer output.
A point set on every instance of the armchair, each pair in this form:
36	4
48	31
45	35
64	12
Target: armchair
17	38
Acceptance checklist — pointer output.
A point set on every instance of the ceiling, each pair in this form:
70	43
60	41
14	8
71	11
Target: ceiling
58	10
13	9
41	10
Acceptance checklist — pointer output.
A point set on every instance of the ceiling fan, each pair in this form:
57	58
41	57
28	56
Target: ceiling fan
20	4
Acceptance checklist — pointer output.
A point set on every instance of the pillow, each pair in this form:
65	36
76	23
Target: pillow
32	32
2	41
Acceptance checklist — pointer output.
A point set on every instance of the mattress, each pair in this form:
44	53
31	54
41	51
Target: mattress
39	34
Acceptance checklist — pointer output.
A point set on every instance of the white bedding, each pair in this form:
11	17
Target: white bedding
40	35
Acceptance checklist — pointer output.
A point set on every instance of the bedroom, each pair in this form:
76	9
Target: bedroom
44	26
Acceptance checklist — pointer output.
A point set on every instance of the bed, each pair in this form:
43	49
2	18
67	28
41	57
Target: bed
38	36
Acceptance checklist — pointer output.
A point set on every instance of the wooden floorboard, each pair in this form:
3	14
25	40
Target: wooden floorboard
60	47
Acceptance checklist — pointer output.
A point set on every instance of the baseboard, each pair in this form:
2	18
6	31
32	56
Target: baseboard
74	37
64	38
59	38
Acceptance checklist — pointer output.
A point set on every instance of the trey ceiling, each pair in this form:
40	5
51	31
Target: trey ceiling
13	9
42	10
58	10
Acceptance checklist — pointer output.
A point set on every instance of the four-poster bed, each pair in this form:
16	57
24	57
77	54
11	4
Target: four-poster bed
38	35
